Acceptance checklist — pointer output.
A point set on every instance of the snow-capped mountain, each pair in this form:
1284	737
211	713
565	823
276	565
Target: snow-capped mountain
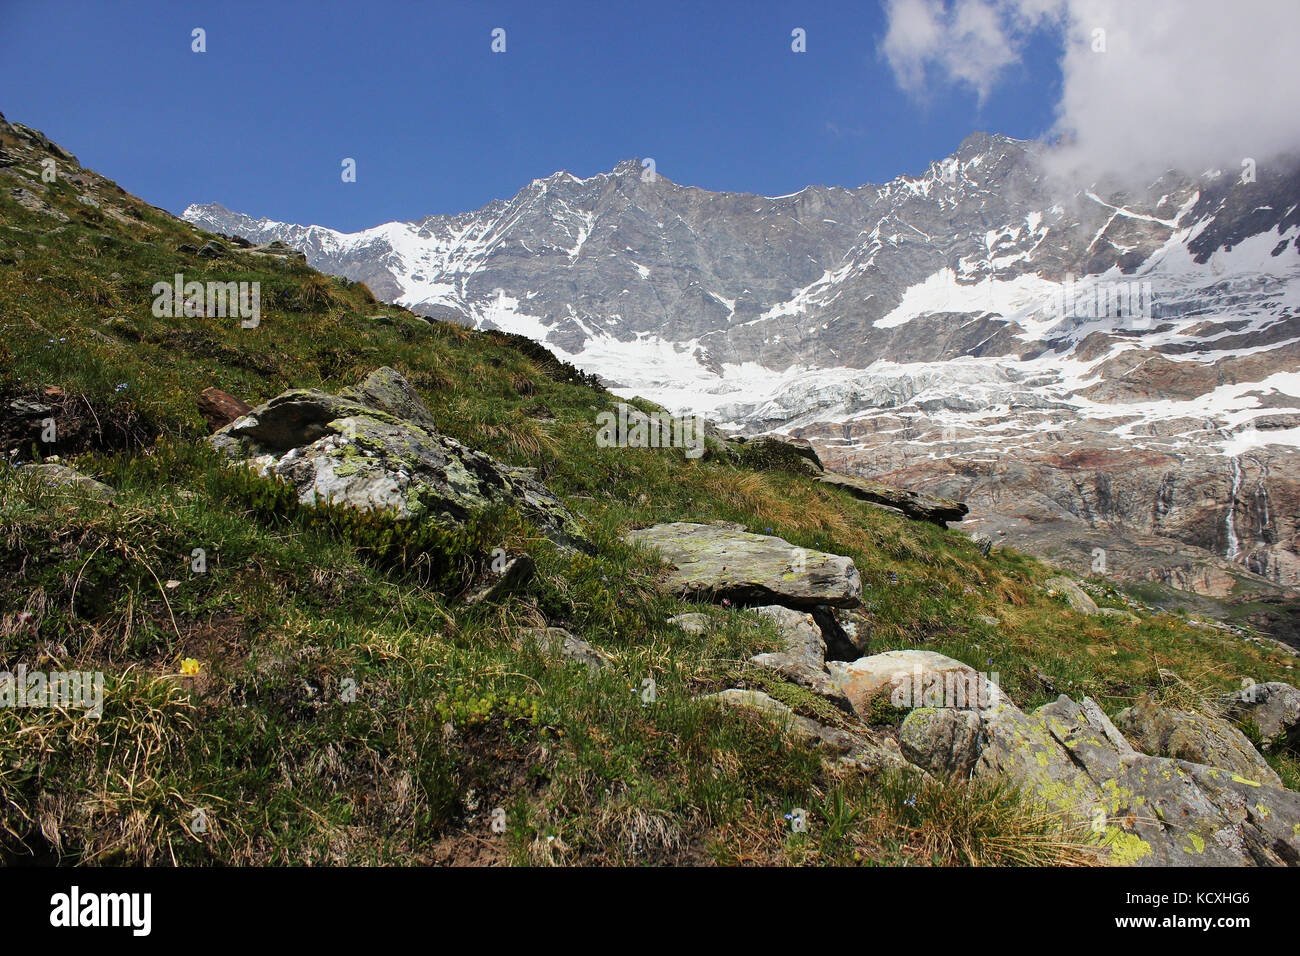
1097	367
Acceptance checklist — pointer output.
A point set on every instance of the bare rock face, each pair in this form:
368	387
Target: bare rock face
374	447
716	562
1168	507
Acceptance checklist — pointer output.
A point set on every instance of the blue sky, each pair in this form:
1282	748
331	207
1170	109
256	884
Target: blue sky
437	123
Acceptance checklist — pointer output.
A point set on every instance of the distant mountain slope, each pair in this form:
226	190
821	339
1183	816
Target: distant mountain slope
922	327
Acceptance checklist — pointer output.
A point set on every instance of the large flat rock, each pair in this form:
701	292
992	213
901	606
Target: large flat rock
715	562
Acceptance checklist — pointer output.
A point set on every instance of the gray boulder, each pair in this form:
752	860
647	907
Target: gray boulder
68	481
557	643
374	448
716	562
942	741
1275	709
1075	595
803	638
909	679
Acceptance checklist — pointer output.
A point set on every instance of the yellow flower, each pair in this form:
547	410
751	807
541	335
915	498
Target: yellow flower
189	667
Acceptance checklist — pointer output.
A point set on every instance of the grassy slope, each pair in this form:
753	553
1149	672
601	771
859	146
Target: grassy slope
266	741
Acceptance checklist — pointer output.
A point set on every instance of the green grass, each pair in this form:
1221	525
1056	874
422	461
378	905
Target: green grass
333	656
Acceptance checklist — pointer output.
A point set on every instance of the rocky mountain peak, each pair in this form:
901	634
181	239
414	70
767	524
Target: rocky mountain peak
980	312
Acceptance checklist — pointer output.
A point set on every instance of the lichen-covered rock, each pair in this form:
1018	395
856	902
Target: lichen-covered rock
1163	812
716	562
385	389
1196	738
1144	810
943	741
1075	595
912	504
374	448
1028	749
1275	709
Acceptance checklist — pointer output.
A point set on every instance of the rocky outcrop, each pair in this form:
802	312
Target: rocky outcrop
1196	738
1145	810
911	504
777	453
721	561
375	448
1274	708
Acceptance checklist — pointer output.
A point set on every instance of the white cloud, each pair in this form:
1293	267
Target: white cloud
968	42
1192	84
